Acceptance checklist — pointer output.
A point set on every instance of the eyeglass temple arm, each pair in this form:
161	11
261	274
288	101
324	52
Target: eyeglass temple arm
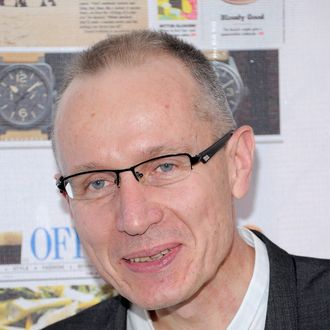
60	184
205	155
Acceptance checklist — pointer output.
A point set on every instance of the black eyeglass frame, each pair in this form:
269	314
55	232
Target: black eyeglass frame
203	157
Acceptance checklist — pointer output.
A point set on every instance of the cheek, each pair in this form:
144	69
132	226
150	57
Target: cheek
93	228
204	205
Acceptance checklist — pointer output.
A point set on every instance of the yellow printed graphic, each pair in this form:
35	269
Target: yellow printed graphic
177	9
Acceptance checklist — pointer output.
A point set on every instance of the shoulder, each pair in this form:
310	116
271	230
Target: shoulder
300	285
312	270
108	314
313	277
313	291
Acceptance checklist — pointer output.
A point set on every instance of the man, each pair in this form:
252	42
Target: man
150	162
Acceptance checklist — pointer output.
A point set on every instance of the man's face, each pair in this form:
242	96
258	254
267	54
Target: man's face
116	119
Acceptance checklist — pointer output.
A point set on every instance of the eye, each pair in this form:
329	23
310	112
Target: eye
91	185
166	167
98	184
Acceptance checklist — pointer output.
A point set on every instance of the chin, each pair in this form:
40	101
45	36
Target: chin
159	300
155	304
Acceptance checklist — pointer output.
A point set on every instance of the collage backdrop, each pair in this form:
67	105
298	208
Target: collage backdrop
254	47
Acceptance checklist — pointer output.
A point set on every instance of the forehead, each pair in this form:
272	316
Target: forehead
127	109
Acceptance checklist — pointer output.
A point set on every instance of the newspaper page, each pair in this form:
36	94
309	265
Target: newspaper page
242	24
30	74
61	23
180	18
241	38
44	274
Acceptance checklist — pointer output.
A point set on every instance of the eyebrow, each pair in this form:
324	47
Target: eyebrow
86	167
161	150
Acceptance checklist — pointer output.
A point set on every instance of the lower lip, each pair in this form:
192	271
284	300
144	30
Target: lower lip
156	265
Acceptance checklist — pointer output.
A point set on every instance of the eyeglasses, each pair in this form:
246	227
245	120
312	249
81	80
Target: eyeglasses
158	171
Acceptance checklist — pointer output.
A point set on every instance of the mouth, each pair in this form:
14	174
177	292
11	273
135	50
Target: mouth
151	258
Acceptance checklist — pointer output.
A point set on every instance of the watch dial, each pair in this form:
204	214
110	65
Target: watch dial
230	82
25	95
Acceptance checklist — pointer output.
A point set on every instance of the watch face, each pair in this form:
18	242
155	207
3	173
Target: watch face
231	82
25	95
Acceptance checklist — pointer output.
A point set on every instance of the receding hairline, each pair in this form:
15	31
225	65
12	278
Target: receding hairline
132	49
197	101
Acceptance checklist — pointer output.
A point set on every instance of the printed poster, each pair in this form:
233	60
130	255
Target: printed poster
180	18
62	23
44	275
242	24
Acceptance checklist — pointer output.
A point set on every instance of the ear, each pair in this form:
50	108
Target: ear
240	153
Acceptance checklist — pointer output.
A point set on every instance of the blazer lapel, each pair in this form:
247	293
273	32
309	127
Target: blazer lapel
119	319
282	299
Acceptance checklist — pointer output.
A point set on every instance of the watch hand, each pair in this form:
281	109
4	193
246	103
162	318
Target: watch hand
35	85
14	89
229	82
21	97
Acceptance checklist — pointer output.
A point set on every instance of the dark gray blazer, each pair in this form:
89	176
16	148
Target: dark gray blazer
299	297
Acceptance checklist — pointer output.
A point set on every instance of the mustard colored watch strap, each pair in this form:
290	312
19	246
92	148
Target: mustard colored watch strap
12	58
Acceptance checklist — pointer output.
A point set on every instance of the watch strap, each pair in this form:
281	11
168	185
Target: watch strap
16	135
217	55
12	58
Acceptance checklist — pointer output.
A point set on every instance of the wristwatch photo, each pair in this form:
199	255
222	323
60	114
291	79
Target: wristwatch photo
229	77
26	97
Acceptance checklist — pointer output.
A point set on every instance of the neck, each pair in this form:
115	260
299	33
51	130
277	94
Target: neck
217	302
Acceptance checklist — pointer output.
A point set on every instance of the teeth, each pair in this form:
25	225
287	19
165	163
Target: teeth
150	258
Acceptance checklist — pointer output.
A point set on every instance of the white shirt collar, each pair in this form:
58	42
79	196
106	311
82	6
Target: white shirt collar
253	310
138	319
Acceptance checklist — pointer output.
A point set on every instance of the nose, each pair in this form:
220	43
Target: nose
136	211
